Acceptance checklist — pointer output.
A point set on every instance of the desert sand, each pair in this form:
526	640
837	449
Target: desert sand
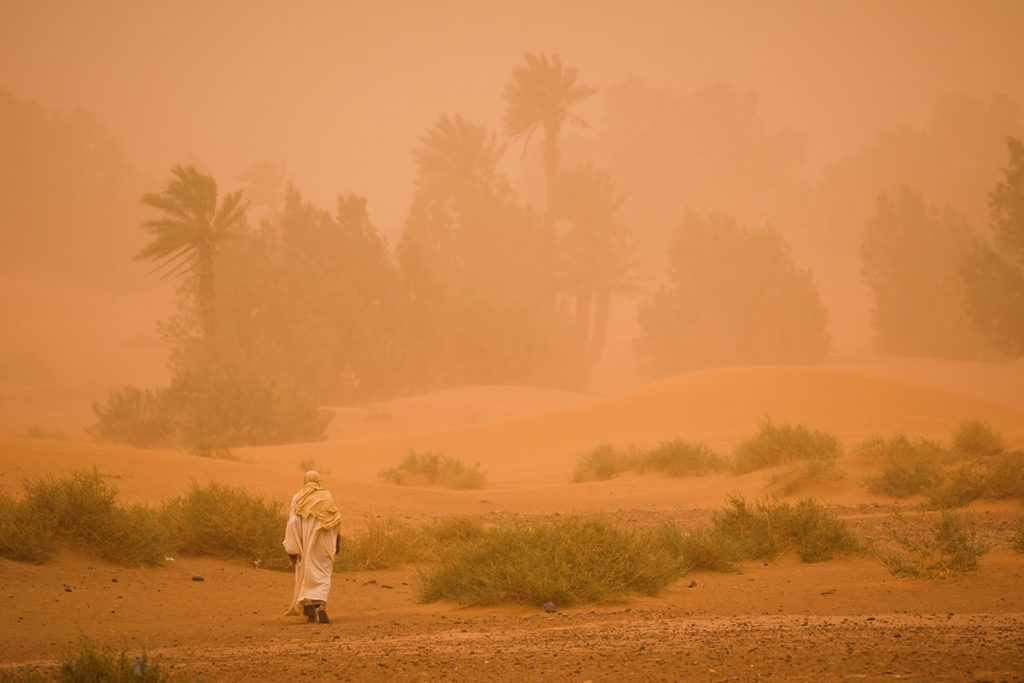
777	620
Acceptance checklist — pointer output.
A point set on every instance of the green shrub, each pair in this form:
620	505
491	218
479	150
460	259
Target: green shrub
946	547
564	560
976	439
908	467
600	464
678	458
777	445
815	532
221	521
435	469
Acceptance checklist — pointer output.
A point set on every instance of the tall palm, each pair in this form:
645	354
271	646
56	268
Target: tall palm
598	250
456	160
539	97
186	236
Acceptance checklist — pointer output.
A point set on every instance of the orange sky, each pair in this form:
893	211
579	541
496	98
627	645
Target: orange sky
340	91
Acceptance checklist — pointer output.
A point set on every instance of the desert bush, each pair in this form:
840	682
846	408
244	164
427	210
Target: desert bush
959	486
1005	477
226	522
81	511
132	416
456	529
796	476
976	439
908	467
1018	537
383	544
676	458
946	547
435	469
23	536
815	532
91	663
679	458
780	444
564	560
600	463
818	533
209	411
709	550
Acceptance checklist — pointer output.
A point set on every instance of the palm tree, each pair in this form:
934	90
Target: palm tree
599	250
186	236
540	96
457	160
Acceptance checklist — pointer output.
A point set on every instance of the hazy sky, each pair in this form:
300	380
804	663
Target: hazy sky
340	91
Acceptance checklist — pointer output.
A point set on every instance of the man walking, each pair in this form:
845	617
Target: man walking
311	539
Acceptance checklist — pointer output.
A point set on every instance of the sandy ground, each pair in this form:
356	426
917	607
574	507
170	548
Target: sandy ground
781	620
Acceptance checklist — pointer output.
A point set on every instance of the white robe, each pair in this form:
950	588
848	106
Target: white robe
315	547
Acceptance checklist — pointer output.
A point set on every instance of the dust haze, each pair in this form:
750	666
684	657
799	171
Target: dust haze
794	115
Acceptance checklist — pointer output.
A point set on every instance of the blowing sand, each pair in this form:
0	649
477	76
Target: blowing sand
781	620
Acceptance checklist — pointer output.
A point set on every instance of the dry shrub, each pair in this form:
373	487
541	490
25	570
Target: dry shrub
601	463
709	550
226	522
795	477
24	537
765	530
675	458
435	469
908	467
775	445
564	560
1018	536
976	439
80	511
383	544
678	458
946	547
1006	477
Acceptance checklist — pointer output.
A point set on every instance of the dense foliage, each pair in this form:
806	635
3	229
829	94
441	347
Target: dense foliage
909	254
733	297
994	271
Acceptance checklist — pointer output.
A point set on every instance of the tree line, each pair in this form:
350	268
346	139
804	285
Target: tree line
313	306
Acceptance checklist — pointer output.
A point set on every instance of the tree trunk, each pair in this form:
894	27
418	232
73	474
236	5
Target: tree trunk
207	304
599	329
584	298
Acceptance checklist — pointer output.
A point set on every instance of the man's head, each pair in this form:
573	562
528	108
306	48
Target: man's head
312	477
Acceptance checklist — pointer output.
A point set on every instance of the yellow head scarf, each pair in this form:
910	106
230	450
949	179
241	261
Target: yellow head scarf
314	501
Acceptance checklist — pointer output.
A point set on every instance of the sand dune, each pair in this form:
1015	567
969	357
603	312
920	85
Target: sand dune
528	440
